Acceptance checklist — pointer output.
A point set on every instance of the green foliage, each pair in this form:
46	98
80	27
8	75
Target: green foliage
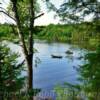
76	10
6	31
60	93
90	74
10	72
68	92
56	33
83	32
23	11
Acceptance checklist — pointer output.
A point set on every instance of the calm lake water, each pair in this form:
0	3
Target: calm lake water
52	71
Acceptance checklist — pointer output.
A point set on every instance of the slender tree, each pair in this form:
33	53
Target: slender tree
23	13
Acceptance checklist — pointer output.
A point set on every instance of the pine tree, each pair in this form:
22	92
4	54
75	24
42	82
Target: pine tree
90	74
11	80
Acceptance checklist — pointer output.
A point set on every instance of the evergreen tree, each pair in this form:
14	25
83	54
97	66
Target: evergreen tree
90	74
11	80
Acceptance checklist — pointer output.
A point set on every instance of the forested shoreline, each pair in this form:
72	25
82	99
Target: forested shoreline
21	31
80	33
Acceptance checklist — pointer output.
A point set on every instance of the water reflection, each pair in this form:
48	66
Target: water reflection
51	72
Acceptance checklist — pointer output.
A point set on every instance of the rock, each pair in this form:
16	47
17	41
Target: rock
69	52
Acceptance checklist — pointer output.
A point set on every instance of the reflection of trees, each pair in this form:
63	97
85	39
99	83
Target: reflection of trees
70	57
90	75
37	61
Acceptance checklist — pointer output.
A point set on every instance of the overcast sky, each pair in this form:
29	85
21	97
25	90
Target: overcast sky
47	18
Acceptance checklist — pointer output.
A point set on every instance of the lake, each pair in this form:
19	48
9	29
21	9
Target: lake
52	71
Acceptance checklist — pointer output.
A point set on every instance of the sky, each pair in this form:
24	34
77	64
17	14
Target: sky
46	19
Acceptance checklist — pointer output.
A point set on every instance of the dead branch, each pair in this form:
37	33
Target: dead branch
8	15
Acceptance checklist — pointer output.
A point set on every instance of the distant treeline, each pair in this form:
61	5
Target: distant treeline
83	32
7	31
87	31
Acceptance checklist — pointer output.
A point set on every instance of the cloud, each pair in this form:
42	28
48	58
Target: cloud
47	18
2	19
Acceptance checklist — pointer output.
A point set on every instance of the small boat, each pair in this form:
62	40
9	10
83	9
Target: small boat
56	56
69	52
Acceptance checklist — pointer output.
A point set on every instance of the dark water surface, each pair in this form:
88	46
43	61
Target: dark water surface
51	72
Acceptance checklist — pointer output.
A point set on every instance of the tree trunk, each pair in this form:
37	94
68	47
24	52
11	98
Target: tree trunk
28	52
30	72
30	63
